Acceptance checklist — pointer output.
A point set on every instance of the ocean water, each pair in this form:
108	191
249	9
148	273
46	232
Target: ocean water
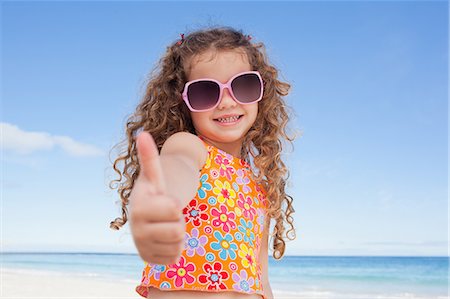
291	277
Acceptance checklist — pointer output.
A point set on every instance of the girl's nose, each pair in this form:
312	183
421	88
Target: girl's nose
227	100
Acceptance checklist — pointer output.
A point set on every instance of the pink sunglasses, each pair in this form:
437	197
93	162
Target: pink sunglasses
205	94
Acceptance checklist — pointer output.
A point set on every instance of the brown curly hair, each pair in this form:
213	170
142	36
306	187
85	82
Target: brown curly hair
162	113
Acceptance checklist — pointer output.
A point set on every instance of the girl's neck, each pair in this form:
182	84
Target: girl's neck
233	148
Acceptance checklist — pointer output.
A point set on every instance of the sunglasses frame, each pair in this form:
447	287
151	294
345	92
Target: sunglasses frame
222	86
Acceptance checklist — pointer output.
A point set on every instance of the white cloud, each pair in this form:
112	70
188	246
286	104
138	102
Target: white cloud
16	140
76	148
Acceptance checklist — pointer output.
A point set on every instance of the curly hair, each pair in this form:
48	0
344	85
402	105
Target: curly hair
162	113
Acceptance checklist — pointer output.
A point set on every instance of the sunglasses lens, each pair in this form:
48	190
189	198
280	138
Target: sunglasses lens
247	88
203	94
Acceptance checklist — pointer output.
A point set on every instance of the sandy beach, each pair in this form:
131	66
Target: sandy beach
39	284
34	284
47	284
23	284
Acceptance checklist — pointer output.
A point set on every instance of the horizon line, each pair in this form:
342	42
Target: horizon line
136	254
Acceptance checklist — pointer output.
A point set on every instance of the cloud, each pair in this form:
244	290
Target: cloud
16	140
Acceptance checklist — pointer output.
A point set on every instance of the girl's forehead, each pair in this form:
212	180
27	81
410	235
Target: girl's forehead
215	61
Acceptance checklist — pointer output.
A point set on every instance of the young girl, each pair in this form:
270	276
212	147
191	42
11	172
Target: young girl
202	171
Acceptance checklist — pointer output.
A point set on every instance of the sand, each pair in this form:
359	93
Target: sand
19	284
39	284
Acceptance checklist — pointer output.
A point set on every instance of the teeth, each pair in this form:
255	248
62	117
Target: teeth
228	119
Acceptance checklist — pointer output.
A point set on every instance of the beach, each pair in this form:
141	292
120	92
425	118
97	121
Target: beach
48	284
34	284
94	275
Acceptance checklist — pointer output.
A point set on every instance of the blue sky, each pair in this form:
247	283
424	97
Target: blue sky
369	90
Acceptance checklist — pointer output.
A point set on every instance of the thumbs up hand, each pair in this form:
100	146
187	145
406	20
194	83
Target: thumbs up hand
156	219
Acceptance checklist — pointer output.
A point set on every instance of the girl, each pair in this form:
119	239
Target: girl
204	177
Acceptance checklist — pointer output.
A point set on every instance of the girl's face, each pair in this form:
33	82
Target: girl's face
226	135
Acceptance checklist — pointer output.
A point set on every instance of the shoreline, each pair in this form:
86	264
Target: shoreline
87	252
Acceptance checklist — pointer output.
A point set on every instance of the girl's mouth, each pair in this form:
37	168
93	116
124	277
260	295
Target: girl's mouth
229	120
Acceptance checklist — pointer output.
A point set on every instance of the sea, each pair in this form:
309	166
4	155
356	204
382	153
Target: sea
346	277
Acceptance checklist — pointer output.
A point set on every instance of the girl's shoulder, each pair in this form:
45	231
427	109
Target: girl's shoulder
188	145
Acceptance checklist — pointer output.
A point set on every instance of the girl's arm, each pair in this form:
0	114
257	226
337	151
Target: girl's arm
167	181
181	151
264	259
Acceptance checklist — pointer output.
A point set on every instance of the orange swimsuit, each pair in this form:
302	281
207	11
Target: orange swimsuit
224	225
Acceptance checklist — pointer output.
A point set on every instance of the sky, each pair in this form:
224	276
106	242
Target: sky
368	173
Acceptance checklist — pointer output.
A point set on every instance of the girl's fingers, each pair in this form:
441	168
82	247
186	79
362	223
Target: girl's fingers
156	208
166	232
167	250
149	161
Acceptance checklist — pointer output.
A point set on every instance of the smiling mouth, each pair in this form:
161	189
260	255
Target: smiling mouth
228	119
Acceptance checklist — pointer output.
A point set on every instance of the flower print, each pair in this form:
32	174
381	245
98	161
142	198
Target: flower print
210	257
224	245
233	266
262	199
243	163
225	170
212	200
224	192
165	285
238	236
242	282
194	243
214	173
257	242
207	229
260	219
195	212
214	276
258	188
257	228
181	272
245	203
208	161
223	218
224	155
243	180
205	186
246	228
219	159
238	211
258	279
155	270
247	256
145	280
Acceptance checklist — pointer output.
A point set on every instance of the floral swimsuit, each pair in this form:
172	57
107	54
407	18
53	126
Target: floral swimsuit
224	225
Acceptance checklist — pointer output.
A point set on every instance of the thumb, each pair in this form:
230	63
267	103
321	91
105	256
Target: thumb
149	161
